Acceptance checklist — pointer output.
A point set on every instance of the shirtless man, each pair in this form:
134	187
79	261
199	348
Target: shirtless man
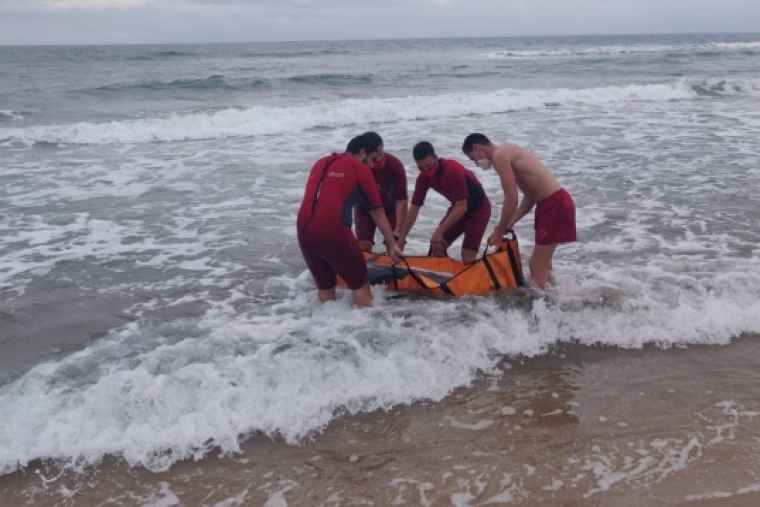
555	210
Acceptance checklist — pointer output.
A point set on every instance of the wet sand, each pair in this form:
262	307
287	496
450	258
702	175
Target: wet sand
580	426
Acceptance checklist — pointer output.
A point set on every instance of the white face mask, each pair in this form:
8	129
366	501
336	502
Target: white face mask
484	163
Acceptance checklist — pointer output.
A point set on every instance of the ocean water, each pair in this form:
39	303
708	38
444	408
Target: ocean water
154	306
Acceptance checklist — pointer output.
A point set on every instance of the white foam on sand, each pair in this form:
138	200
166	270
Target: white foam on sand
289	372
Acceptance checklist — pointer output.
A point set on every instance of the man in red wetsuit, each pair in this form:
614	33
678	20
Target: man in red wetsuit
470	208
555	209
335	185
390	177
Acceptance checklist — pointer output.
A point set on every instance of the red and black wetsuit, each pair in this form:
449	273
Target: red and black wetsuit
336	183
455	182
390	177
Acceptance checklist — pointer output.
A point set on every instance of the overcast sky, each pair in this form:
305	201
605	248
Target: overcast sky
179	21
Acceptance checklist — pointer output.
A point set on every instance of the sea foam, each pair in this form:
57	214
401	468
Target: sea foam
267	120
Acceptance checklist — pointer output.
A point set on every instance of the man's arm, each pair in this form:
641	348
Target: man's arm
398	175
457	211
378	215
401	210
502	163
367	185
525	206
409	221
459	194
418	199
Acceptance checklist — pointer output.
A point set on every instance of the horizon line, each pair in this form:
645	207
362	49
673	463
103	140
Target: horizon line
378	39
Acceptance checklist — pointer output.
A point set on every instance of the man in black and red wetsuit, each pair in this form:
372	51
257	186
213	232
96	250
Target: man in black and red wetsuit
390	177
470	208
335	185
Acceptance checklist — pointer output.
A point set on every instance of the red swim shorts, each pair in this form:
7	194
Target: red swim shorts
330	249
365	227
473	225
555	219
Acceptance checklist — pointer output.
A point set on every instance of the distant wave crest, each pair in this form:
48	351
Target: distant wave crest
596	51
272	120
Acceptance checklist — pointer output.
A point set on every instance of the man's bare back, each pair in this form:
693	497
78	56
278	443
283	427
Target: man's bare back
532	177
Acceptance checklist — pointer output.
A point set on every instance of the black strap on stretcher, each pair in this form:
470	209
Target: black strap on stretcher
487	264
422	282
516	268
512	261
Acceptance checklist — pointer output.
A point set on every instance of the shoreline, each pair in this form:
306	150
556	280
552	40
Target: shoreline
581	426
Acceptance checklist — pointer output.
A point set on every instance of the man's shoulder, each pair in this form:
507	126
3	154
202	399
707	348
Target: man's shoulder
320	161
507	149
325	159
347	162
395	166
450	163
512	150
505	155
343	164
452	166
393	159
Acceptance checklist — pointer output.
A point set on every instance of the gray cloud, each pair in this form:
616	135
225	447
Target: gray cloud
147	21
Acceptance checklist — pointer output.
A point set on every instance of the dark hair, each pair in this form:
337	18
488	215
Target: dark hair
422	150
375	138
472	139
360	143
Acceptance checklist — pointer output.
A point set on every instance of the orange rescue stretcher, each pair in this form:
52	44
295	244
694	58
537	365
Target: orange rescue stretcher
499	269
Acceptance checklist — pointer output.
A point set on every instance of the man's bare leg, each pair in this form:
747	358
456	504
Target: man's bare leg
366	245
363	296
469	256
552	281
541	264
326	295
